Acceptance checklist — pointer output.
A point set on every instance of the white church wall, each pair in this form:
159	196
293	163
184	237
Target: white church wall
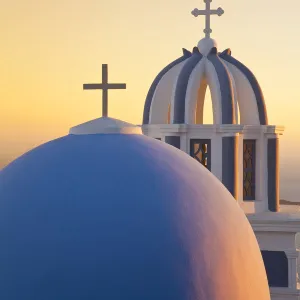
216	164
276	241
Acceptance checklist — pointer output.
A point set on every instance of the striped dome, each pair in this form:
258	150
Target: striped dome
177	94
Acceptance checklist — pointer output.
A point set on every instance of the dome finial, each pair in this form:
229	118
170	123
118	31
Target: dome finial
104	86
207	13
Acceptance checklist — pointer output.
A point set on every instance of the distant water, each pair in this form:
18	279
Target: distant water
290	181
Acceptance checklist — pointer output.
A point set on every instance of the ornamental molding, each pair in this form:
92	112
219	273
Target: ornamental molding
275	225
279	291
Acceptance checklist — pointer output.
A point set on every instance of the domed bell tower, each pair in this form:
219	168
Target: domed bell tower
239	148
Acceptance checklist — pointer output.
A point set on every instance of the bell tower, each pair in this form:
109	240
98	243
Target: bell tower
240	148
242	152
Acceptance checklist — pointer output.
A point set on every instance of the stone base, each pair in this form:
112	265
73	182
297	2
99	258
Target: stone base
285	294
277	232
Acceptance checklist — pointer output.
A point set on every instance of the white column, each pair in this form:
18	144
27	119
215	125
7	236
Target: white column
184	143
216	156
229	136
292	256
272	133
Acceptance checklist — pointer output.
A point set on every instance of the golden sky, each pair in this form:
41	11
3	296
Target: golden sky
50	48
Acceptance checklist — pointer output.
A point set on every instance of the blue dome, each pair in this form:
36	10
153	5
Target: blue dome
116	216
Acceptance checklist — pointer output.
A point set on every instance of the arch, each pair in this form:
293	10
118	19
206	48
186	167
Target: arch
213	73
149	98
169	114
214	86
225	87
260	102
235	95
162	97
207	108
200	103
195	94
178	109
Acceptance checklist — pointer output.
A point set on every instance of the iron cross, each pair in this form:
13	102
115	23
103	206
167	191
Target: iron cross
207	13
104	86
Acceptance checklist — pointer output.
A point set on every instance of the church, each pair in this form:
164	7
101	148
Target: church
241	148
172	209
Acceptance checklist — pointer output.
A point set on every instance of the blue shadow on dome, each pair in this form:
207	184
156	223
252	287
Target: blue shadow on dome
94	217
114	216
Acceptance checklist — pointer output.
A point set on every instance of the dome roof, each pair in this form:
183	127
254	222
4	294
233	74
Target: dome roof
179	90
122	216
105	125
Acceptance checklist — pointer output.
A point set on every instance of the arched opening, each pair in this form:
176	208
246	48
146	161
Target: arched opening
169	114
208	117
204	106
204	112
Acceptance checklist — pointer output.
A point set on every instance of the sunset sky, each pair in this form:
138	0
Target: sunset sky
50	48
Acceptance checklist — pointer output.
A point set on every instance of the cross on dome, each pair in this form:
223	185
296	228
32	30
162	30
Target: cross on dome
104	86
207	13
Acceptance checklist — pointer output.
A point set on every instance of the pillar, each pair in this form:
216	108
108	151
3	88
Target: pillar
273	174
230	164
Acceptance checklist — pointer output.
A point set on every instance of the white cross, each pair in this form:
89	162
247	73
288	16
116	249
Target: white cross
207	13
